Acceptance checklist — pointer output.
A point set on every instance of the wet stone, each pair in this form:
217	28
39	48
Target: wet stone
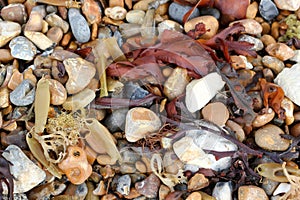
177	12
210	11
251	192
27	174
22	48
268	9
148	187
258	45
24	94
8	30
268	137
79	26
210	22
123	186
273	63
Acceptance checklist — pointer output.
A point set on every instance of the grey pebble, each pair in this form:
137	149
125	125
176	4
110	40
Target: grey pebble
116	120
124	183
223	191
210	11
79	26
177	12
22	48
24	94
268	9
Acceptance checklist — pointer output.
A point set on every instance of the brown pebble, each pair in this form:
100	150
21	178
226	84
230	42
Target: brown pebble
210	23
132	194
216	112
14	12
35	22
275	30
252	10
267	40
295	130
262	119
280	51
15	79
251	192
141	167
105	160
297	116
266	27
162	9
197	182
237	62
109	197
66	39
237	129
167	71
148	187
163	192
194	196
5	56
55	34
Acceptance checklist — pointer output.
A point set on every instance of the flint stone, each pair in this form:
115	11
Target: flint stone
27	174
24	94
22	48
79	26
177	12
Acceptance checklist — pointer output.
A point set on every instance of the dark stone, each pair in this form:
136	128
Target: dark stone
177	12
134	91
24	94
116	120
124	183
268	9
148	187
210	11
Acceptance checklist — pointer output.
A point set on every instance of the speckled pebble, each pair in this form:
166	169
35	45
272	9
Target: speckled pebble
248	192
22	48
79	26
257	43
280	51
268	9
273	63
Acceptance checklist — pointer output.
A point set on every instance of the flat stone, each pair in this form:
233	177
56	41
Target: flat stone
79	26
268	9
54	20
79	100
35	22
123	186
8	30
287	79
252	27
58	93
210	22
140	122
280	51
14	12
22	48
223	191
24	94
263	118
291	5
273	63
249	192
268	137
39	39
258	45
197	182
190	150
135	16
80	74
216	112
4	97
148	187
177	12
208	87
15	80
27	174
176	83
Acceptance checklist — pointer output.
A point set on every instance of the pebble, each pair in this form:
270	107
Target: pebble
80	74
79	26
210	11
35	22
4	97
8	31
39	39
27	174
252	27
55	34
123	186
282	188
169	25
296	57
197	182
58	93
22	48
291	5
5	57
171	163
207	87
176	83
189	150
258	44
140	122
273	63
116	120
210	110
130	157
268	9
194	196
223	191
267	39
56	21
249	192
210	22
163	192
280	51
263	118
15	80
237	129
127	169
288	107
295	130
252	10
142	5
269	185
148	187
287	80
116	13
135	16
15	13
177	12
237	62
24	94
268	137
92	11
79	100
105	160
134	91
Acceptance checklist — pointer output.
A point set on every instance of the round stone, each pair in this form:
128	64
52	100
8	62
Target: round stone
280	51
116	13
252	10
58	93
216	112
268	9
268	137
15	13
273	63
257	43
263	118
252	27
135	16
248	192
210	22
22	48
177	12
79	26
